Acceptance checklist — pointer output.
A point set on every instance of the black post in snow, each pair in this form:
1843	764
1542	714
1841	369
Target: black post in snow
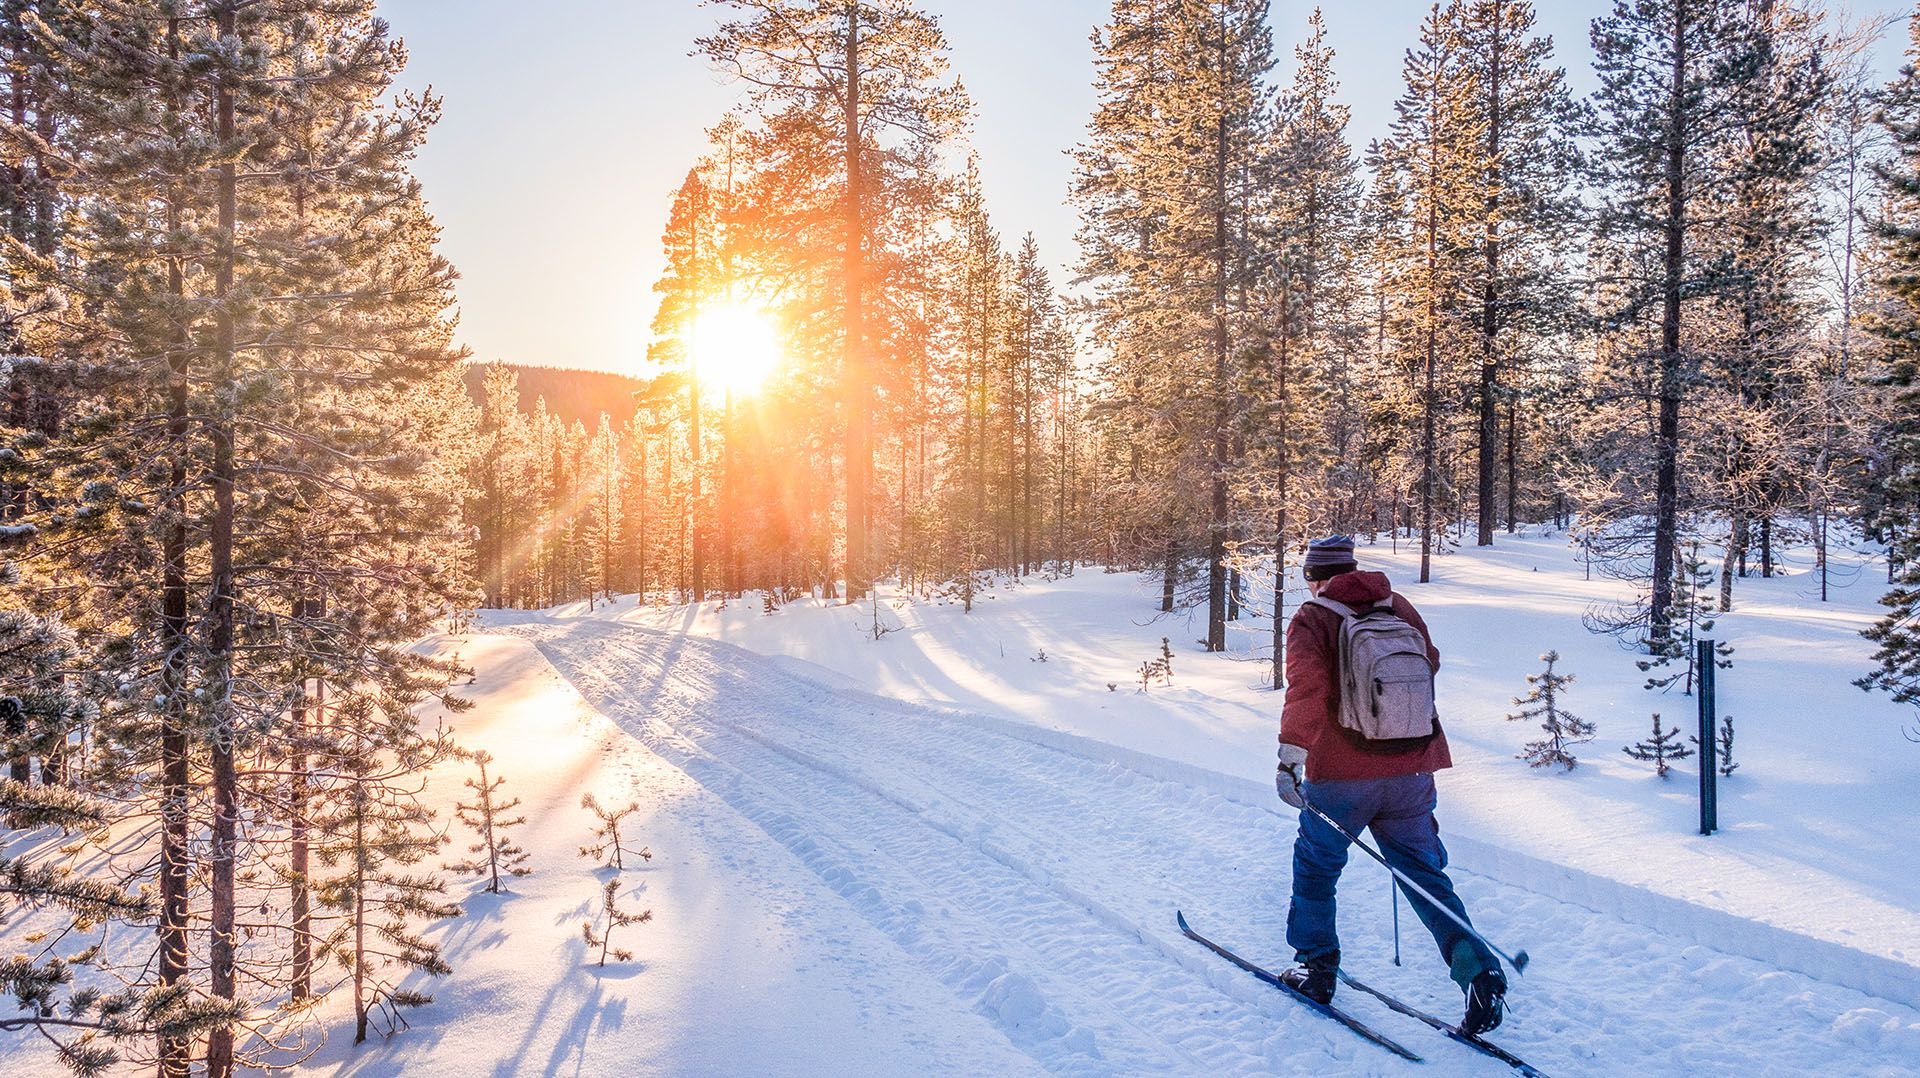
1709	764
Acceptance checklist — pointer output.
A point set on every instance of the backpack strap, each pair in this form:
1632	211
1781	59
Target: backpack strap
1346	612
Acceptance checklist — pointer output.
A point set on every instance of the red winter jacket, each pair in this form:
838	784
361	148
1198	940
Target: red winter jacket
1313	689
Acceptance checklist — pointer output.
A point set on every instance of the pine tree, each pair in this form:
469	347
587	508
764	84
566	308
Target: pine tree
1674	76
1562	727
372	827
495	852
1312	228
1723	740
612	917
264	347
1689	621
607	845
1438	138
1521	173
849	105
1660	747
1167	185
1897	242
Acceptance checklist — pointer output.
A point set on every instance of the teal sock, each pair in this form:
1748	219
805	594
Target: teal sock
1466	963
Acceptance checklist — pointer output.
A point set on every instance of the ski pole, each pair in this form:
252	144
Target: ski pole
1518	962
1393	895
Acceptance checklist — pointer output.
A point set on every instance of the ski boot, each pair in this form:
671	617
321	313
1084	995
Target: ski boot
1315	978
1486	1003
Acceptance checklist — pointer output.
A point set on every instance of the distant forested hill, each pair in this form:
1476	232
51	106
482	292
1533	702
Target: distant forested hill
571	394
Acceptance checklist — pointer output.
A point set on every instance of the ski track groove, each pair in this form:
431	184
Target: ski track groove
1043	946
1116	853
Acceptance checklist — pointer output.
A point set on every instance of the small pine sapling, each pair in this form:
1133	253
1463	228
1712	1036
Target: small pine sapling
607	836
495	853
615	917
1660	748
1562	727
1724	739
1691	577
878	627
1158	669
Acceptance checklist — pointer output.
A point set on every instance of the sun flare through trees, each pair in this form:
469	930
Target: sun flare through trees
256	496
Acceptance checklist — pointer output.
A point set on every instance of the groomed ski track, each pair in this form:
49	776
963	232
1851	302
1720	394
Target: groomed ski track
1038	884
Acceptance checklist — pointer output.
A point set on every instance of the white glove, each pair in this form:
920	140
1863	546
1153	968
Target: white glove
1291	774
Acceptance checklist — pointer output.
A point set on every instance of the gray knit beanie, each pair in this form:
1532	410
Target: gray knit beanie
1329	557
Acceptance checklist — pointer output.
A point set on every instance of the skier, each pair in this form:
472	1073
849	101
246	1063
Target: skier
1354	764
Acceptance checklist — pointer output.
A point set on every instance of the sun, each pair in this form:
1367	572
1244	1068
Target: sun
735	347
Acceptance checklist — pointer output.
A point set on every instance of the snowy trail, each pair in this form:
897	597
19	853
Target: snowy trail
1040	885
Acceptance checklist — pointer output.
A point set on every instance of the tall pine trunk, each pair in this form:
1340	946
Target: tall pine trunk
175	772
1427	402
223	851
1667	439
1217	522
859	379
1490	299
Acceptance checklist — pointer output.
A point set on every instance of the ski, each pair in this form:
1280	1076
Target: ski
1487	1048
1334	1013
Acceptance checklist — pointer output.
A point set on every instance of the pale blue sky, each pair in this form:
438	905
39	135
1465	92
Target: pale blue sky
569	122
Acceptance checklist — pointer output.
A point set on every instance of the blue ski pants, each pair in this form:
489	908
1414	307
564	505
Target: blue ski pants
1399	812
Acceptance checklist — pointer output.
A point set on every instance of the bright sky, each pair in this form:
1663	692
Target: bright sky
569	122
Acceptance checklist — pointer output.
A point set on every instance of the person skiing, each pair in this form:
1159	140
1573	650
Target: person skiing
1367	763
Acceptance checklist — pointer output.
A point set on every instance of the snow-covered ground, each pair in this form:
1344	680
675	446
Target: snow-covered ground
750	964
947	856
1817	823
933	853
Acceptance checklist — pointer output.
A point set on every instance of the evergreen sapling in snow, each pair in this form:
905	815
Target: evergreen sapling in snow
1691	579
1562	727
615	917
1724	739
1159	669
606	842
1663	746
495	852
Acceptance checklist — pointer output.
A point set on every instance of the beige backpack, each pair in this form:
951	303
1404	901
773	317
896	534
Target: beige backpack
1386	678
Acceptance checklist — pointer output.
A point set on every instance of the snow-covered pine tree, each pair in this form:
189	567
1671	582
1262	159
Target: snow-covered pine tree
1723	740
1168	184
1896	238
606	844
370	828
849	107
611	917
1522	174
1299	375
97	1030
1764	355
1437	141
501	508
486	814
1660	747
1667	119
264	348
692	280
980	309
1563	728
1688	622
603	509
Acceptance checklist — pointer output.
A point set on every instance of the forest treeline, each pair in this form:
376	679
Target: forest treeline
1670	316
243	476
571	394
